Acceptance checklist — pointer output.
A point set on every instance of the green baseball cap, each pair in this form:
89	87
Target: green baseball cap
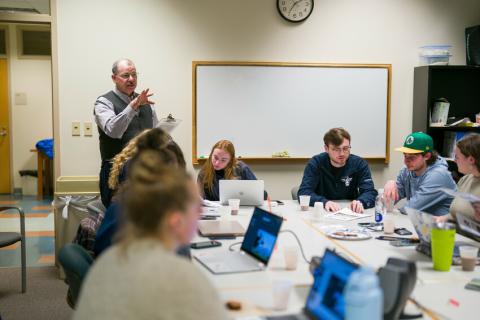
417	142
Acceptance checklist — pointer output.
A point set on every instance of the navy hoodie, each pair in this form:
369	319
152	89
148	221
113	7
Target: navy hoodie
323	182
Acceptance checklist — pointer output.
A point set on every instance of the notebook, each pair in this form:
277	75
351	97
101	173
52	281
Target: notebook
250	192
256	249
325	299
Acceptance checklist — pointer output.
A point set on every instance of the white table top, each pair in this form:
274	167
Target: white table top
433	290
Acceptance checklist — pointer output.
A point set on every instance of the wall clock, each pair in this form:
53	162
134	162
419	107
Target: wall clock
295	10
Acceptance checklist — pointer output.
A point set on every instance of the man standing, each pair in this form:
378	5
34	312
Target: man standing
422	177
336	174
121	114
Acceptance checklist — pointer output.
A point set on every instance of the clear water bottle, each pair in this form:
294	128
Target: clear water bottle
363	296
380	208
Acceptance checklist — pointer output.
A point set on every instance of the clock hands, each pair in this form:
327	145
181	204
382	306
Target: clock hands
296	2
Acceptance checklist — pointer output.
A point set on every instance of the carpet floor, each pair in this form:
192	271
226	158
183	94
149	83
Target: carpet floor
45	297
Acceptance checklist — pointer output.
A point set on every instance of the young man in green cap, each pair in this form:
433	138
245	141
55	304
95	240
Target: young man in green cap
422	177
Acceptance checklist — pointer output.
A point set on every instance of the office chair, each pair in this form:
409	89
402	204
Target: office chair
76	262
295	193
9	238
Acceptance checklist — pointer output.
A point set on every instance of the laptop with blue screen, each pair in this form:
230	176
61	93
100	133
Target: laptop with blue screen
256	249
325	300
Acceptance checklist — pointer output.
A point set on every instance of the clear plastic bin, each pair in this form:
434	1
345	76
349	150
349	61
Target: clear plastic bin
435	55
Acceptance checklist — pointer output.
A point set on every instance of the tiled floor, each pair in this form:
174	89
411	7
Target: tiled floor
39	226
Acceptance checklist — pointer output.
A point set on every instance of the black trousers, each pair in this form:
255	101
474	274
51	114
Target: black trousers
105	192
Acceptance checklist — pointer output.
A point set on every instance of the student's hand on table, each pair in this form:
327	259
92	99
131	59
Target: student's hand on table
141	99
332	206
390	191
356	206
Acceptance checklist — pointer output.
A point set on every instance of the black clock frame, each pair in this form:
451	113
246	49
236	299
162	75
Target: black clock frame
294	21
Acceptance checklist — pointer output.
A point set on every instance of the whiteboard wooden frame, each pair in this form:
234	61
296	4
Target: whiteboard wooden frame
196	160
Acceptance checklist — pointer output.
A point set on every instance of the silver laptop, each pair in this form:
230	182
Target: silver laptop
250	192
325	300
256	249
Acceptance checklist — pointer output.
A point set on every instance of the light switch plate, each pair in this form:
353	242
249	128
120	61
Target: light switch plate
20	98
87	129
75	128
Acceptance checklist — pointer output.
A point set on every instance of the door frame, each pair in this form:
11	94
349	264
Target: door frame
40	19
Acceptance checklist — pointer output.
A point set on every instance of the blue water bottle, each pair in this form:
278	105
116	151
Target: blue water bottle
363	296
379	207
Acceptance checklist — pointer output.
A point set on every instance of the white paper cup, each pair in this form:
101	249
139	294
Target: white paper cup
468	254
304	202
281	293
318	211
291	257
234	205
388	224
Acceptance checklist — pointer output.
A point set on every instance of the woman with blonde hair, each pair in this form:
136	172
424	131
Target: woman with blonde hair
221	164
140	277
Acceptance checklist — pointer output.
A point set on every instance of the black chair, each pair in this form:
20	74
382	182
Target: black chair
76	262
9	238
294	192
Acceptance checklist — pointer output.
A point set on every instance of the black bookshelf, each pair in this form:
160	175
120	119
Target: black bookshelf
460	85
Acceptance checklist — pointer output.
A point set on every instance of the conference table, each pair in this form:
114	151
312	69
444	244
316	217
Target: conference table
442	293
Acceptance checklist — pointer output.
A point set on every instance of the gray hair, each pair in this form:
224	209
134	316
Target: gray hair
116	63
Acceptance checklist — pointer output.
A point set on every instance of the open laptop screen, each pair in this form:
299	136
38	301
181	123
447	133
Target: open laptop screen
326	300
261	235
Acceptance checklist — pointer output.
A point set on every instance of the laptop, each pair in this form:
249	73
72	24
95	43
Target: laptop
250	192
422	223
256	249
220	228
325	299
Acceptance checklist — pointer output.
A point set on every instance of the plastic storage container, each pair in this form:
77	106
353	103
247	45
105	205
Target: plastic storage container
435	55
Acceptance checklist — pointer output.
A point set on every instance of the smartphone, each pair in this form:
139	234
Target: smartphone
402	232
403	243
205	244
389	238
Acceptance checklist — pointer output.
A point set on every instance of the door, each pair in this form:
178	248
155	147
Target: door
4	128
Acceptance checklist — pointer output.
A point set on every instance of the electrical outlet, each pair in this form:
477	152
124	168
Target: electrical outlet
75	128
87	129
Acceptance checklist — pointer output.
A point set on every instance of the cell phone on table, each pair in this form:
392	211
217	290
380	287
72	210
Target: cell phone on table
403	243
390	238
205	244
402	232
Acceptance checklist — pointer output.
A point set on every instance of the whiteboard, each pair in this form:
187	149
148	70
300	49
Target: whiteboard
267	108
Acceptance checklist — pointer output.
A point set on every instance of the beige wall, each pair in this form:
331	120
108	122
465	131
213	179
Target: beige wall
33	121
163	37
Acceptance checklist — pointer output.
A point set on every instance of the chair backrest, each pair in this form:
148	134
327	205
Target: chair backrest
295	193
76	262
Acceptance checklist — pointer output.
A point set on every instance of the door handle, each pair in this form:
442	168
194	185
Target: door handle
3	132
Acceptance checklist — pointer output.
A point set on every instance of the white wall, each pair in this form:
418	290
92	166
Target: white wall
163	37
33	121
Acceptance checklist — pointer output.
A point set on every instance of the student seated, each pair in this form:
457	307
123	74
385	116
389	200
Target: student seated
140	277
336	174
221	164
467	157
154	139
422	177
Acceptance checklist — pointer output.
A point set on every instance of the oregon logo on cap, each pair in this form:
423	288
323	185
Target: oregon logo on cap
409	140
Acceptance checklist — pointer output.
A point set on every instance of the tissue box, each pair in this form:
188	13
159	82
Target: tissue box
435	55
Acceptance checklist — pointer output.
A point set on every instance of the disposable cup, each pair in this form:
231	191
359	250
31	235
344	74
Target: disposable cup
234	205
304	203
291	257
468	254
281	293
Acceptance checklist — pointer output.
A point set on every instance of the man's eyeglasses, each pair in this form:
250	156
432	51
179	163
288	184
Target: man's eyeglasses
344	149
127	76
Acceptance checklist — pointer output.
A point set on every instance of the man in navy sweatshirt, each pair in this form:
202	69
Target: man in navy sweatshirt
337	175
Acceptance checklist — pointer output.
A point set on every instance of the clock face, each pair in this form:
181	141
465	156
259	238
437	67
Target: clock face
295	10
